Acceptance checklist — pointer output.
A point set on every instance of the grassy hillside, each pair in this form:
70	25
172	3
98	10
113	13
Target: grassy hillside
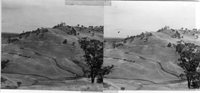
148	58
5	36
51	58
45	54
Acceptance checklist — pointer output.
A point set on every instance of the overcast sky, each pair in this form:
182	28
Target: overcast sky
131	18
19	15
128	17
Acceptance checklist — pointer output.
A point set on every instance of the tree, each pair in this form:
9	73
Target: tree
94	58
103	71
4	63
114	44
73	43
189	61
65	41
169	45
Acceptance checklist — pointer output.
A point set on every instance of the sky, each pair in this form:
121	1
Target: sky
132	18
128	17
26	15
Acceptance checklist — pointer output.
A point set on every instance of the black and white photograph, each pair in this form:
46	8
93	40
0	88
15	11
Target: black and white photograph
152	45
100	45
49	45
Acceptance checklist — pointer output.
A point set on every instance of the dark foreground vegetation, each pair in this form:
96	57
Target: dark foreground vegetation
190	62
94	57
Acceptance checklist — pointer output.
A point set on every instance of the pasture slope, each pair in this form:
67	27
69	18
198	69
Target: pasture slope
47	58
147	61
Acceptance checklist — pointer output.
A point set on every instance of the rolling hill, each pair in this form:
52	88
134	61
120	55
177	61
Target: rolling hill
51	58
45	54
148	60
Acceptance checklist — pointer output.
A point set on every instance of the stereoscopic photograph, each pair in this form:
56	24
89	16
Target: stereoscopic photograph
152	45
99	45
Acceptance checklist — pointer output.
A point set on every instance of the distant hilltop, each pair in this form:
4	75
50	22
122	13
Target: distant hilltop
168	34
78	30
64	26
162	37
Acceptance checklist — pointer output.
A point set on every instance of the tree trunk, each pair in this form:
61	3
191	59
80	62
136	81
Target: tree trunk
92	79
100	79
189	83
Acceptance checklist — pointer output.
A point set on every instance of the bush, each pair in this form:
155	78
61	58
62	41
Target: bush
3	80
73	43
19	83
122	88
11	40
65	41
4	63
169	45
114	44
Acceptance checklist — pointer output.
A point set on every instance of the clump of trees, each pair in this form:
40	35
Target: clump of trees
190	62
60	25
94	58
164	28
176	35
4	63
11	40
114	44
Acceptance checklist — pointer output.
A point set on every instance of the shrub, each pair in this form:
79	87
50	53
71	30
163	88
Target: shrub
169	45
122	88
4	63
73	43
65	41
